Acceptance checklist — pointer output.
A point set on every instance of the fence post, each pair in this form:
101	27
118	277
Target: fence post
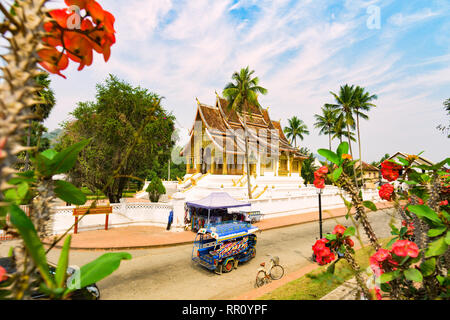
178	201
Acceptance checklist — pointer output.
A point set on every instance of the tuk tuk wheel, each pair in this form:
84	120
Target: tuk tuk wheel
252	252
228	265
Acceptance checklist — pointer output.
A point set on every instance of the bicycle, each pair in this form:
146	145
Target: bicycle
275	272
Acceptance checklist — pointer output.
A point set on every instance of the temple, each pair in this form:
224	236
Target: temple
217	144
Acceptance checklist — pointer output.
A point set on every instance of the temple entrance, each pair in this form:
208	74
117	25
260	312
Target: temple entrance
205	160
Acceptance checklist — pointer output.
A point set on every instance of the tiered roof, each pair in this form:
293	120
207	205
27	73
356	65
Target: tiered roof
225	128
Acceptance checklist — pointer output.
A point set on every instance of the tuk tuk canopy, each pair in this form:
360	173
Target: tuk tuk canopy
217	200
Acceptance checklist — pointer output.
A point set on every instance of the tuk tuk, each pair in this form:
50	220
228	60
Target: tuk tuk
220	247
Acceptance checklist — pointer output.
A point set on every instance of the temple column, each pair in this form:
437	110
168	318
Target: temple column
289	166
225	165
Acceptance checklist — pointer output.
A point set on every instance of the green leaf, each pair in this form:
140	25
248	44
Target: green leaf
436	248
391	242
66	159
411	182
428	266
389	276
403	161
63	262
436	232
34	246
337	173
43	165
370	205
49	153
350	231
329	155
98	269
330	236
69	193
423	211
342	149
413	275
447	238
18	194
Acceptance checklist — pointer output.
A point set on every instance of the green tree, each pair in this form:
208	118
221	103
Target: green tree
344	104
155	189
308	166
112	122
340	133
296	129
326	122
41	111
240	94
445	128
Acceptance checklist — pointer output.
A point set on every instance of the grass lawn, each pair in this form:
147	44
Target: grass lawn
308	288
92	196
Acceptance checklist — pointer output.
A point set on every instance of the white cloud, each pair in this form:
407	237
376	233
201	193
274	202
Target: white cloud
296	51
404	20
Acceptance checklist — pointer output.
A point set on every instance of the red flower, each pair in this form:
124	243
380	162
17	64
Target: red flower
381	255
339	229
53	61
322	252
377	292
390	170
323	170
386	191
3	275
443	203
319	183
419	200
377	259
79	49
97	34
349	242
319	245
403	248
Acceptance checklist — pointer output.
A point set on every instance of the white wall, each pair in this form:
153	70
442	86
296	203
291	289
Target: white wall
124	214
275	204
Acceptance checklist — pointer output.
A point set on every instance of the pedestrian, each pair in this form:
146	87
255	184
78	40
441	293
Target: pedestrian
169	223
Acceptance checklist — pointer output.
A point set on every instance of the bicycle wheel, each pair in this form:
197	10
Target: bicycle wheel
260	278
276	272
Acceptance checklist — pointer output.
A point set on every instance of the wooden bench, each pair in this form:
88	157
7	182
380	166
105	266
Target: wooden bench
95	210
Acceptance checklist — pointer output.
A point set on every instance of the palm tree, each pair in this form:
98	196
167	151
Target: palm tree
339	133
240	94
296	129
344	108
326	122
362	103
344	104
42	110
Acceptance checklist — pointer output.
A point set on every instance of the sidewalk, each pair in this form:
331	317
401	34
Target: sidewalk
141	237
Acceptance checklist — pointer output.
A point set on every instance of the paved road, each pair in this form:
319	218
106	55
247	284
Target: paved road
167	273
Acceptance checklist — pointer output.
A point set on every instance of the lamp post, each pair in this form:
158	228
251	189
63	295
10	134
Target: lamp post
319	193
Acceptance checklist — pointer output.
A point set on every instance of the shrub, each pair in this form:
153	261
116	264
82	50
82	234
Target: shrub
155	189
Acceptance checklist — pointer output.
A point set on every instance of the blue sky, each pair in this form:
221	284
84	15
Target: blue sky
300	50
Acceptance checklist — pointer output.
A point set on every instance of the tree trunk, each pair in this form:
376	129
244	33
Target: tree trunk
351	153
359	146
329	139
